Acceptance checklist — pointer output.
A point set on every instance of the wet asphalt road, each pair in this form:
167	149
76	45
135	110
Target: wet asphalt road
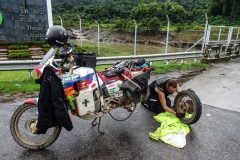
215	136
219	86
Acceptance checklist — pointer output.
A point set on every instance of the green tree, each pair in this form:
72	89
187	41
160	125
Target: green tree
154	24
179	11
175	11
120	24
225	8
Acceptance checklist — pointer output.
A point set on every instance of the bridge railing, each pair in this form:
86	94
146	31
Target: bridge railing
217	46
30	64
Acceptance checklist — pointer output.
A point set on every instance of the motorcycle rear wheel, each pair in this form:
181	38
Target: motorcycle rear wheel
189	103
21	129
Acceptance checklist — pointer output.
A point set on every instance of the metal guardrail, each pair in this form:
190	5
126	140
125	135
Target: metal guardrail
30	64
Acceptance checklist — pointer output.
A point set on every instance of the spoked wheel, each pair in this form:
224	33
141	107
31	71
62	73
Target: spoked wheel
189	103
23	129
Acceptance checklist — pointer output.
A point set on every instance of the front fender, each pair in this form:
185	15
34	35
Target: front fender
31	101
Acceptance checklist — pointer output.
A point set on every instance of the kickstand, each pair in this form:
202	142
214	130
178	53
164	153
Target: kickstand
94	122
99	123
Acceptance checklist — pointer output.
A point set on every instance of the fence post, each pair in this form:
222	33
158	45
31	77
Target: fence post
98	38
61	20
205	32
135	38
229	38
208	35
237	35
80	29
219	35
168	25
182	61
30	73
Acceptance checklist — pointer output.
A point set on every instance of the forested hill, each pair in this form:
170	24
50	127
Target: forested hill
118	12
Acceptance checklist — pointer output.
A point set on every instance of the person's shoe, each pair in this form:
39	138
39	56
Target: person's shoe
146	106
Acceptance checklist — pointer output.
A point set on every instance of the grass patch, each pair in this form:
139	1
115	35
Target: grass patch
45	45
104	50
17	81
160	67
18	54
28	43
102	67
18	47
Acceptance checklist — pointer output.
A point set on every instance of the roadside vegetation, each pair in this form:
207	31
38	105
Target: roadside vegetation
159	67
19	81
20	50
18	54
104	51
149	14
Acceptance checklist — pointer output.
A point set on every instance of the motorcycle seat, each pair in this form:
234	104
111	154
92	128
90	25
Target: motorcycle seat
108	79
139	61
112	72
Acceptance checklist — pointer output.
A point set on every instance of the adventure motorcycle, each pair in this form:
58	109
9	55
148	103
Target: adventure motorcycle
90	94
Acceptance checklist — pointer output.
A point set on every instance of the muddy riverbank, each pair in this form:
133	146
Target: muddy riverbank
182	39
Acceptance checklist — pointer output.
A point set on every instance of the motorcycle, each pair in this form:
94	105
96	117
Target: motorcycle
90	94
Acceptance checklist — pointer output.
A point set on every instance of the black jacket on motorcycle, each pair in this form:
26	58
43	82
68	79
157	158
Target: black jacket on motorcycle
52	110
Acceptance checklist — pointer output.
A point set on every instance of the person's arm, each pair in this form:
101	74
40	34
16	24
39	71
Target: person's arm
179	89
162	99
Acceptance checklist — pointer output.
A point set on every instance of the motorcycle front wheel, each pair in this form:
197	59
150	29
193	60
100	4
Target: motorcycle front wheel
189	103
22	125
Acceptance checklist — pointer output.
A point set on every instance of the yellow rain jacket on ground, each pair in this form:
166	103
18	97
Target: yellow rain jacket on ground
171	131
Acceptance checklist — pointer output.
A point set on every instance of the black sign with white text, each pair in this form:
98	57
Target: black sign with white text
23	20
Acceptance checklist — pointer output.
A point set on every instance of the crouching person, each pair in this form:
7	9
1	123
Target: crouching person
158	100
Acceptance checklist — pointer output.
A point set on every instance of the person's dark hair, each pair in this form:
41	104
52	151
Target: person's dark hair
172	82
